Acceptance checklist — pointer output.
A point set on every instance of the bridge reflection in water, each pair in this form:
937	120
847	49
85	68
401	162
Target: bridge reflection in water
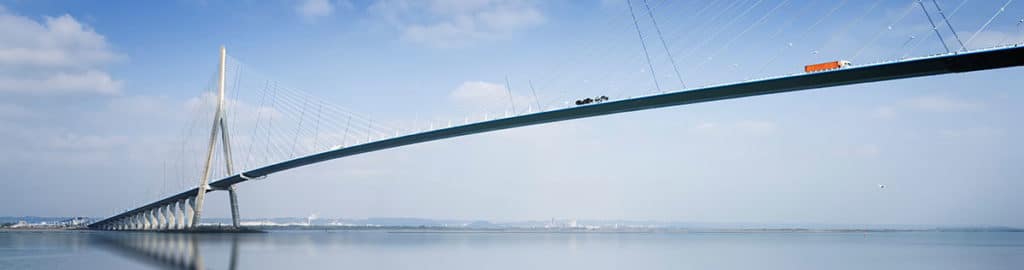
167	250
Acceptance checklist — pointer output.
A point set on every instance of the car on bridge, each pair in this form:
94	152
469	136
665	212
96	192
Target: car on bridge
591	100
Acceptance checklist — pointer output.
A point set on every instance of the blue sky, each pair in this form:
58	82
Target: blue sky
96	92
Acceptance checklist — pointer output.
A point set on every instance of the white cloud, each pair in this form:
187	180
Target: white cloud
456	23
89	81
313	9
58	55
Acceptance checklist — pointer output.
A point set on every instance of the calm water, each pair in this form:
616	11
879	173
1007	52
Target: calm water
379	249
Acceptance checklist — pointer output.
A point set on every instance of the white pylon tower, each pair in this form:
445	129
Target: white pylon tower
220	125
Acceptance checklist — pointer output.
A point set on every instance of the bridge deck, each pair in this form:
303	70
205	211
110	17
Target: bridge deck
916	67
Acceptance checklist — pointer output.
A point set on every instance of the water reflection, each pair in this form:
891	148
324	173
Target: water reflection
475	250
164	250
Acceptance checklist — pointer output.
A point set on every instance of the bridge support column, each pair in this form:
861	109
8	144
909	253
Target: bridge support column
150	221
156	220
140	221
174	215
235	219
166	218
169	216
182	215
179	217
192	223
136	222
141	217
161	217
143	221
161	220
155	214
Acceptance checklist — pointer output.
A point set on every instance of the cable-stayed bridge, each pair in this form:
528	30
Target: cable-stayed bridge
183	211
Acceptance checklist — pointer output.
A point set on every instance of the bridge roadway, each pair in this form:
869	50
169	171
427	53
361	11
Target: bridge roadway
984	59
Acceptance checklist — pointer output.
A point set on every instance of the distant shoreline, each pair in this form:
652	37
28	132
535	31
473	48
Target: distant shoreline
438	229
406	225
418	229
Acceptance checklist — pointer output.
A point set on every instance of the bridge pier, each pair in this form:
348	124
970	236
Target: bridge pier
162	217
136	222
235	220
192	223
169	213
150	220
141	219
169	217
156	219
159	219
179	207
173	212
159	216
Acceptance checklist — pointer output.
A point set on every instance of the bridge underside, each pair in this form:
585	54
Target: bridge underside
166	214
